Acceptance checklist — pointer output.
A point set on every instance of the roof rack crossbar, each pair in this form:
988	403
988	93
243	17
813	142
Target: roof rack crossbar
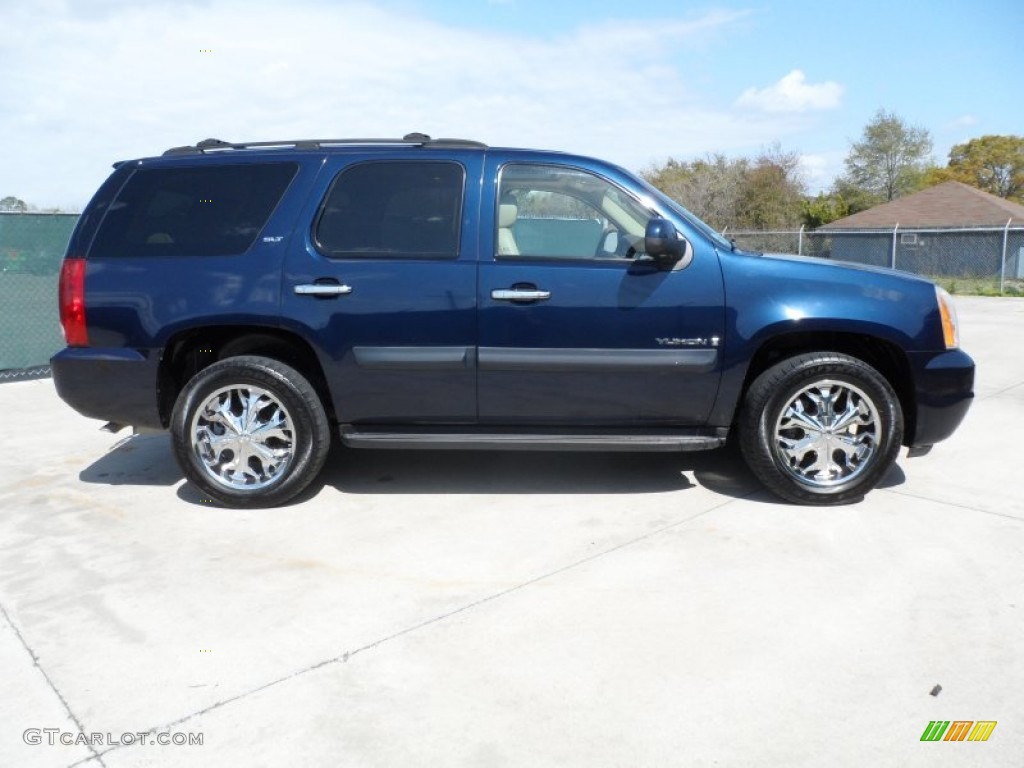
411	139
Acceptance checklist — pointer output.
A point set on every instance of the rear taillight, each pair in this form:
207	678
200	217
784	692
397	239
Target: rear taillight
72	302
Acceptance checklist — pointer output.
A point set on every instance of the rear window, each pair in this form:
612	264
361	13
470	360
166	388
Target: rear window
196	211
393	209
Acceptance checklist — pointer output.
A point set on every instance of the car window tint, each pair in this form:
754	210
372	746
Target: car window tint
194	211
547	211
389	208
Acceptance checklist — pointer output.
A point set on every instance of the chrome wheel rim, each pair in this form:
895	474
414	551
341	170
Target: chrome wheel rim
243	437
827	434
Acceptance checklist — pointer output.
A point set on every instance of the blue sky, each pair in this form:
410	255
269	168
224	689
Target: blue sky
88	82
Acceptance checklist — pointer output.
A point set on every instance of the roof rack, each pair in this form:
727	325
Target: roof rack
410	139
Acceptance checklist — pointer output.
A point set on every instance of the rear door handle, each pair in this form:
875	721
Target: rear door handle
323	289
520	294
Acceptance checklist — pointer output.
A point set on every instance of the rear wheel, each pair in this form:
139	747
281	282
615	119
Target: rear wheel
821	428
250	431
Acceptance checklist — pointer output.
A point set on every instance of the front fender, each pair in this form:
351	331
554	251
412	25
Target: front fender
772	297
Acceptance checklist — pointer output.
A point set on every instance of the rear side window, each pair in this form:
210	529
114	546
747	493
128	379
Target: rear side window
89	221
195	211
393	209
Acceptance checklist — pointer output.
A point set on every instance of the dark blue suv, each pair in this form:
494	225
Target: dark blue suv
258	299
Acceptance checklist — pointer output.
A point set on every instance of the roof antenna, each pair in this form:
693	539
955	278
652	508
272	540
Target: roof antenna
420	137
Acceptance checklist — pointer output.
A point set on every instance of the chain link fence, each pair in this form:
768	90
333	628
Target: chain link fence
970	260
31	248
976	260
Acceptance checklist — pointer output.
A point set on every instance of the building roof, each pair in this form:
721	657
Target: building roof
950	204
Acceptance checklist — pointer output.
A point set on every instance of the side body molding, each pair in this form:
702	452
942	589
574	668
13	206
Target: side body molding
415	358
613	360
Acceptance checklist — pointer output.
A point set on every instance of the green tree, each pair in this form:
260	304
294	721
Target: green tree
992	163
823	209
11	204
938	174
890	159
856	198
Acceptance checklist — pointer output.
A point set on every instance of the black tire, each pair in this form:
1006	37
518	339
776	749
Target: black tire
780	417
282	454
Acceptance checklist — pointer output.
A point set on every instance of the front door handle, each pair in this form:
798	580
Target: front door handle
520	294
323	289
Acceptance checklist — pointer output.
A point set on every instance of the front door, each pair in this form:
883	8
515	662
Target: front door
576	327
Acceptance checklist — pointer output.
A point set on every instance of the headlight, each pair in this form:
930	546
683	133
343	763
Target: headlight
950	324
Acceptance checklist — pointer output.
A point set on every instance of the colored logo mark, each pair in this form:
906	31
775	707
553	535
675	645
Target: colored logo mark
958	730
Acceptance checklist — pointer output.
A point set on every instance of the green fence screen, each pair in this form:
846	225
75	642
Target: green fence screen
31	248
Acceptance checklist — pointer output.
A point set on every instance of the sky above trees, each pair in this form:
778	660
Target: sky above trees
88	82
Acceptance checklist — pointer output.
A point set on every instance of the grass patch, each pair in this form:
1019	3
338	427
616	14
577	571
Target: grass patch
979	286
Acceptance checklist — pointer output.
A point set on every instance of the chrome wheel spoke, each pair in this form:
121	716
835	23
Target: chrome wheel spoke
267	456
220	443
854	447
276	427
798	449
823	467
253	404
220	413
855	413
795	416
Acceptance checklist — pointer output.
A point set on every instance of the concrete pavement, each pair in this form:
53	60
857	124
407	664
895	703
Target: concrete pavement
502	609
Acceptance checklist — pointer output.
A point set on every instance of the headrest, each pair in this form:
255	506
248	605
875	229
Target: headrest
507	212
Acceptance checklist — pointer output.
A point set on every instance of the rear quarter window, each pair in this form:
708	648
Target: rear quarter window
193	211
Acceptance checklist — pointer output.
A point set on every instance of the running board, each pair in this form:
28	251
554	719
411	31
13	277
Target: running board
526	441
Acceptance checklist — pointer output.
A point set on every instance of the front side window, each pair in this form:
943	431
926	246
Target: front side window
193	211
547	211
393	209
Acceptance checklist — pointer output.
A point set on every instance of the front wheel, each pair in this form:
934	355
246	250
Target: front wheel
250	431
821	428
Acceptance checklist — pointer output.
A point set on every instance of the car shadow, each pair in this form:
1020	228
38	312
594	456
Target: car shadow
893	477
135	460
524	472
149	460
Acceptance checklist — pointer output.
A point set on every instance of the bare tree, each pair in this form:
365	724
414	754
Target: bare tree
763	193
709	187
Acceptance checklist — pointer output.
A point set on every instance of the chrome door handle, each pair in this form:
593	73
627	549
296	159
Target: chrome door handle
520	294
323	289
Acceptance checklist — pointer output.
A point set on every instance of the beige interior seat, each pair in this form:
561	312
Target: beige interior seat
508	211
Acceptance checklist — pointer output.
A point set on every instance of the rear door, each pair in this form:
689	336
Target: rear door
576	328
384	283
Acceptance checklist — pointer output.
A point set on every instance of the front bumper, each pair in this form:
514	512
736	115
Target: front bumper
944	390
117	385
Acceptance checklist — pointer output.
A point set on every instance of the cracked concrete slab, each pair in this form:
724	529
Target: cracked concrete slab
29	706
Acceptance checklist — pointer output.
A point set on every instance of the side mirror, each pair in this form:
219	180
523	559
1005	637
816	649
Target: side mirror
662	243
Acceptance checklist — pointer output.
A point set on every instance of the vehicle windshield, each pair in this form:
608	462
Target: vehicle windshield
661	197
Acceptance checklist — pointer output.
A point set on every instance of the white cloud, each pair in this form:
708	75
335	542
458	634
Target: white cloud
820	169
133	79
792	94
964	121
